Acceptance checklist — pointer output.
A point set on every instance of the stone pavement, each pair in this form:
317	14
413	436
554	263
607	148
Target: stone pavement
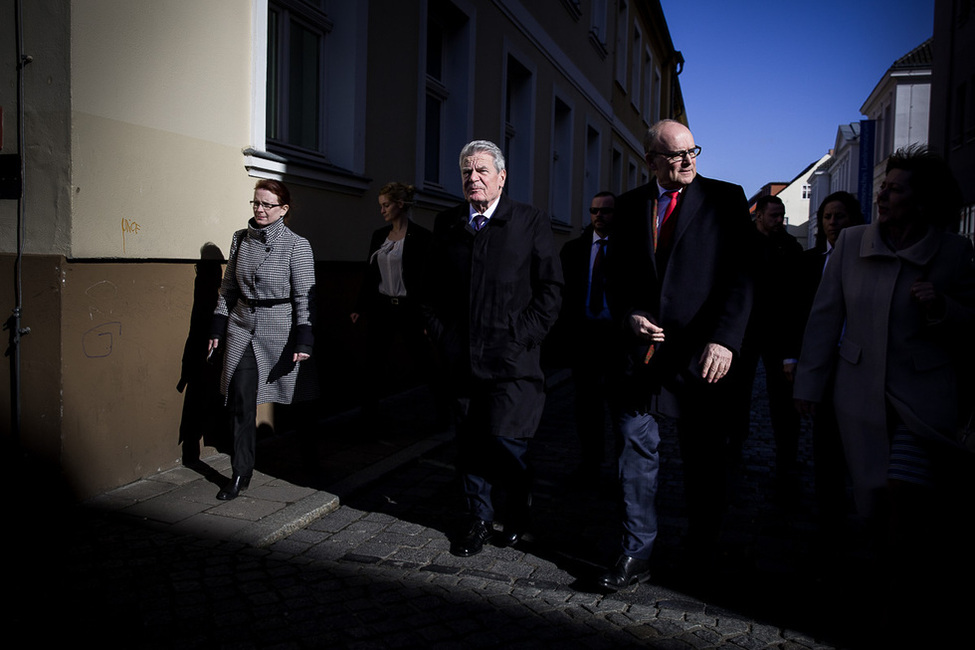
341	541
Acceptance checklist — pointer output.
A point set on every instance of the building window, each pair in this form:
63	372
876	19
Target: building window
445	103
560	194
885	134
966	226
806	191
655	96
637	53
598	29
574	7
518	128
296	33
958	123
591	182
646	108
622	34
309	61
616	171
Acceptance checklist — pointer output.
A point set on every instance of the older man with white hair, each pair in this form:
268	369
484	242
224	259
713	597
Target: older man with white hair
493	292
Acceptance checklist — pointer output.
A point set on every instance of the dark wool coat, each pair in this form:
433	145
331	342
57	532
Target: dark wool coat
701	293
268	264
492	296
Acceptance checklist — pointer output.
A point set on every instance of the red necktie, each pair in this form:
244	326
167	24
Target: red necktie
668	223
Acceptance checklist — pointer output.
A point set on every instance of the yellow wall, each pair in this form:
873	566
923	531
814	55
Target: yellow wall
159	115
100	366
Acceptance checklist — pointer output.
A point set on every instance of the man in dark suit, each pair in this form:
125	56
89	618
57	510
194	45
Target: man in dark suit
494	292
587	334
679	285
769	337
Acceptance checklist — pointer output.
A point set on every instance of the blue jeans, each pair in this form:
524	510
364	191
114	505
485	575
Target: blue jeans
638	439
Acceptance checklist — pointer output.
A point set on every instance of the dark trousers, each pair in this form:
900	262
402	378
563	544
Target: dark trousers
703	449
638	441
387	322
782	410
592	373
243	399
490	460
829	466
703	432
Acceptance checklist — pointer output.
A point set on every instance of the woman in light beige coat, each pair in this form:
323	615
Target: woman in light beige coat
892	322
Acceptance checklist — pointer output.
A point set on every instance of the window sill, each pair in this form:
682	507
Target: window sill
598	44
305	171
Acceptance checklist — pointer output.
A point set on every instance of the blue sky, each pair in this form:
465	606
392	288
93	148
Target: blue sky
766	84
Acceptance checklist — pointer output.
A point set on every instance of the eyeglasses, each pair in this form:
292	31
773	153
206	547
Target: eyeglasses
603	210
266	206
676	156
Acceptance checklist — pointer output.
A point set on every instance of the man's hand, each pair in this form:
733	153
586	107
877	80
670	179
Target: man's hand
715	362
789	370
805	407
644	328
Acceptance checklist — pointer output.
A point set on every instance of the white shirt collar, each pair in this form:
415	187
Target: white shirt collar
661	190
487	213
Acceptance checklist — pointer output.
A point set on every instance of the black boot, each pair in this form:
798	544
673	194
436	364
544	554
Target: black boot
236	485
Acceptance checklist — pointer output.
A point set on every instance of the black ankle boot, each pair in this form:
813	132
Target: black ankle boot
236	485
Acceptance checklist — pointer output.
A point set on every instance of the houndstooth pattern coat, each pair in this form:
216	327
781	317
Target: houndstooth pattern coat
267	264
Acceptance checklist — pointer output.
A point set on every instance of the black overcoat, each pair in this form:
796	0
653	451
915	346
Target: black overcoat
702	292
494	294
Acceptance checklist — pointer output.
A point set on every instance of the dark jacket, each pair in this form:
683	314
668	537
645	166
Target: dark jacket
775	264
493	295
575	256
700	293
416	251
571	340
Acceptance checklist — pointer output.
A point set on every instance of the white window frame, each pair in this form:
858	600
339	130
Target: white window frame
340	161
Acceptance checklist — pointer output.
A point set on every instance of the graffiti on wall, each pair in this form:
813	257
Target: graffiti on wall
99	340
128	228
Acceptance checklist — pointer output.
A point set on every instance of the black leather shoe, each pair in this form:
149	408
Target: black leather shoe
472	543
507	537
232	489
628	571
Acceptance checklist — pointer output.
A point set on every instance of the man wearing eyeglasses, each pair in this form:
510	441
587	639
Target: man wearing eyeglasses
680	288
586	334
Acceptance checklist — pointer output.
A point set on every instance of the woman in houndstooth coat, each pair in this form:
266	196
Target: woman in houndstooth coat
264	316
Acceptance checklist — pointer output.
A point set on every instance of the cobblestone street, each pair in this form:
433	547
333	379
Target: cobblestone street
364	562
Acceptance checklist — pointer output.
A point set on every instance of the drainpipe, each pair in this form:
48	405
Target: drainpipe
13	323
